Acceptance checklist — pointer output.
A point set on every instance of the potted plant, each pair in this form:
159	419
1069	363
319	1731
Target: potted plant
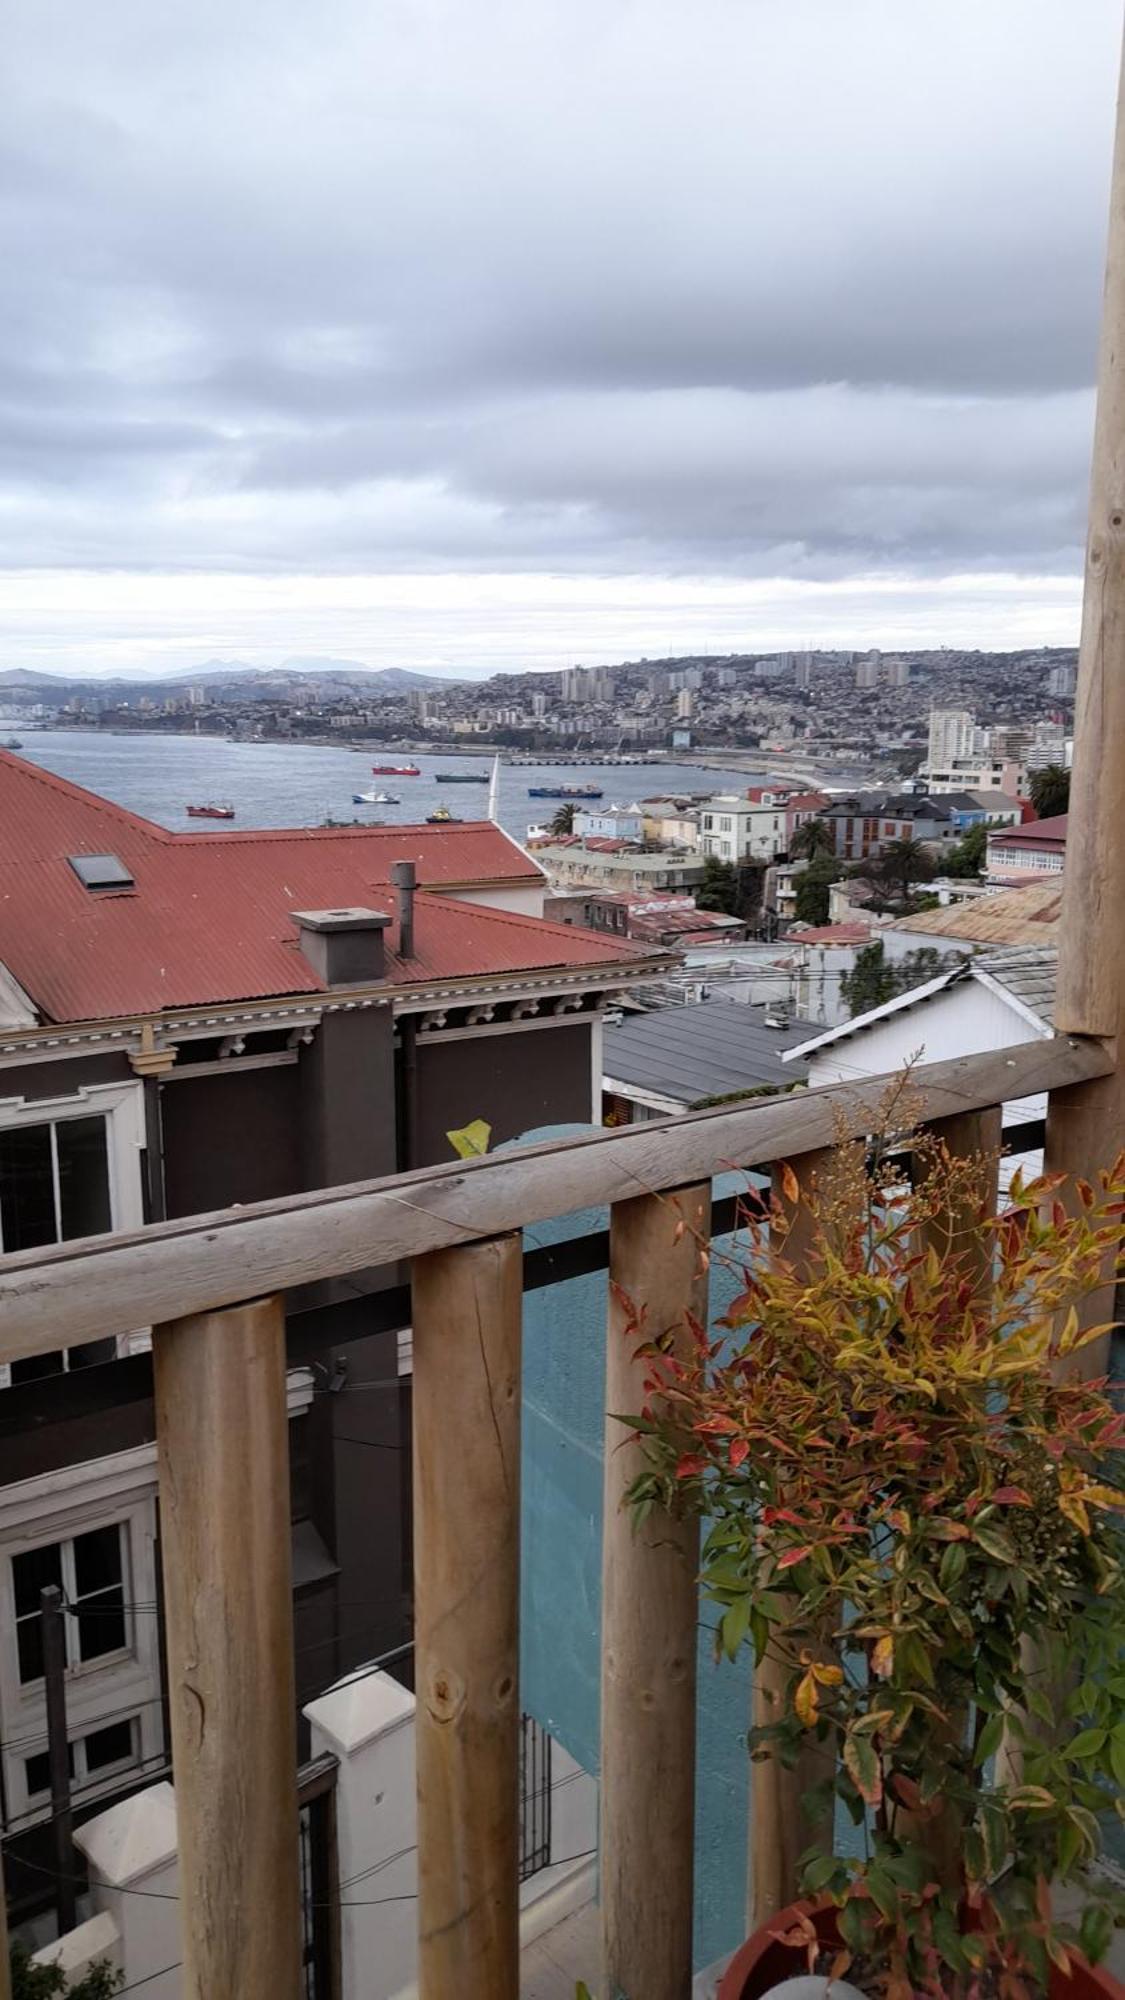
910	1510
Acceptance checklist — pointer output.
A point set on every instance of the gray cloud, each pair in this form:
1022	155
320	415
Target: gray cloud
752	287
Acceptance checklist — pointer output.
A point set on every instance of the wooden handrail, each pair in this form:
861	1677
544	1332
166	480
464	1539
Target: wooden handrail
107	1285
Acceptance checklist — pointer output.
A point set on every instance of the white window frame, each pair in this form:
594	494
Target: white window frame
122	1107
55	1507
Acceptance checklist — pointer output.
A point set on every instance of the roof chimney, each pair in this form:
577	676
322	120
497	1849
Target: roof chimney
344	947
405	878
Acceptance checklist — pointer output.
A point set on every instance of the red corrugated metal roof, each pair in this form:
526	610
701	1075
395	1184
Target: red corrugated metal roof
209	917
1036	832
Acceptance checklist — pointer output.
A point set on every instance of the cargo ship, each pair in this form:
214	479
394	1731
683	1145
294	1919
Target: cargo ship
210	812
565	792
461	777
396	770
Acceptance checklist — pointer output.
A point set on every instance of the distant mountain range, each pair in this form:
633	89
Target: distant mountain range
215	673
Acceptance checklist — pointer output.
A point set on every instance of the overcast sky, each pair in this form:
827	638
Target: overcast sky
488	333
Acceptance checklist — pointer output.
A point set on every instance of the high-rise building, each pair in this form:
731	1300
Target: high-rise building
953	734
867	672
1061	681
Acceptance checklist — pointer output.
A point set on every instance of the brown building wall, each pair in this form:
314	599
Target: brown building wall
230	1138
515	1082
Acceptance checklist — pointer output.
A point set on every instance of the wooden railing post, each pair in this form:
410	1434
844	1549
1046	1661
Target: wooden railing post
223	1451
780	1827
650	1613
1086	1123
467	1319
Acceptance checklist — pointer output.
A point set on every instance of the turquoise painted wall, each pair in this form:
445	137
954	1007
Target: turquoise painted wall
563	1431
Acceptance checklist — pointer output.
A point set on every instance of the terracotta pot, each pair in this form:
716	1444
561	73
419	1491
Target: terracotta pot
763	1962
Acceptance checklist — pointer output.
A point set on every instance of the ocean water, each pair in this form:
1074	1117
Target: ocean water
299	784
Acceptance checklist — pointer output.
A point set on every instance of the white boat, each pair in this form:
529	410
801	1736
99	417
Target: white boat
375	799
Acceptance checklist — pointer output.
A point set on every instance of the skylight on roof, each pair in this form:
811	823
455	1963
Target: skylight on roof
101	871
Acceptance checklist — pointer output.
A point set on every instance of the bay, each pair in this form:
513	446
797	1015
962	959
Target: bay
302	784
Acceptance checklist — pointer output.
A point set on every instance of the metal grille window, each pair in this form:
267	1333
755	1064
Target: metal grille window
535	1798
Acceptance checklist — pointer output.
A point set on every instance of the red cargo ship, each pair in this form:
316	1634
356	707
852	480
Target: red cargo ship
396	770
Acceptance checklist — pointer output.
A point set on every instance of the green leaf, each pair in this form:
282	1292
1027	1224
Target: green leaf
995	1837
819	1873
1095	1931
1086	1744
1069	1846
1040	1707
1117	1754
996	1542
990	1739
863	1768
735	1625
760	1629
883	1893
952	1565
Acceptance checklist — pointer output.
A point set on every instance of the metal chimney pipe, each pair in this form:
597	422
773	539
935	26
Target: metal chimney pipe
405	879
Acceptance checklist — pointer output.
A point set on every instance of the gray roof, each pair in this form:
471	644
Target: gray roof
1029	975
710	1050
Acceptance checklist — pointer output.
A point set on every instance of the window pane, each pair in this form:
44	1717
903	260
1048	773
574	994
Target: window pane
27	1192
97	1559
32	1572
37	1771
112	1745
83	1176
101	1624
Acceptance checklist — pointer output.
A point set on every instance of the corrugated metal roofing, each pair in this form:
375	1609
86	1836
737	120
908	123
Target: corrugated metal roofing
1036	833
709	1050
1029	975
1016	916
208	919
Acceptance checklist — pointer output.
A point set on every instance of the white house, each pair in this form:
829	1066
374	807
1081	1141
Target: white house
991	1002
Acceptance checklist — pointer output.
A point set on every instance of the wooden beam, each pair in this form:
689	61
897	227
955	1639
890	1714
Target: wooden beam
780	1826
1086	1123
202	1262
223	1455
650	1611
467	1313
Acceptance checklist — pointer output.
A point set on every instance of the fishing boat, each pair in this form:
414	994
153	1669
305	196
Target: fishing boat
375	799
462	777
441	816
13	743
212	811
396	771
565	792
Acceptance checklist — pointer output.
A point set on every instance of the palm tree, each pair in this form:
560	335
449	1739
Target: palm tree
904	862
563	821
813	837
1050	790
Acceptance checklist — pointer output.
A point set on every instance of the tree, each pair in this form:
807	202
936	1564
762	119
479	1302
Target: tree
875	978
967	858
810	905
42	1982
1050	790
904	862
719	887
563	821
813	837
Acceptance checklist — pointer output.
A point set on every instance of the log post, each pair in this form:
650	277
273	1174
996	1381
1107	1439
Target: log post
780	1827
5	1960
1086	1122
467	1324
223	1455
650	1602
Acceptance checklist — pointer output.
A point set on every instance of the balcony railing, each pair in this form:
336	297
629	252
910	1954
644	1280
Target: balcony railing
212	1288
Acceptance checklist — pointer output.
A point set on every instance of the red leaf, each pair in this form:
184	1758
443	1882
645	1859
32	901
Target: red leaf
739	1451
1011	1496
688	1465
794	1556
789	1182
